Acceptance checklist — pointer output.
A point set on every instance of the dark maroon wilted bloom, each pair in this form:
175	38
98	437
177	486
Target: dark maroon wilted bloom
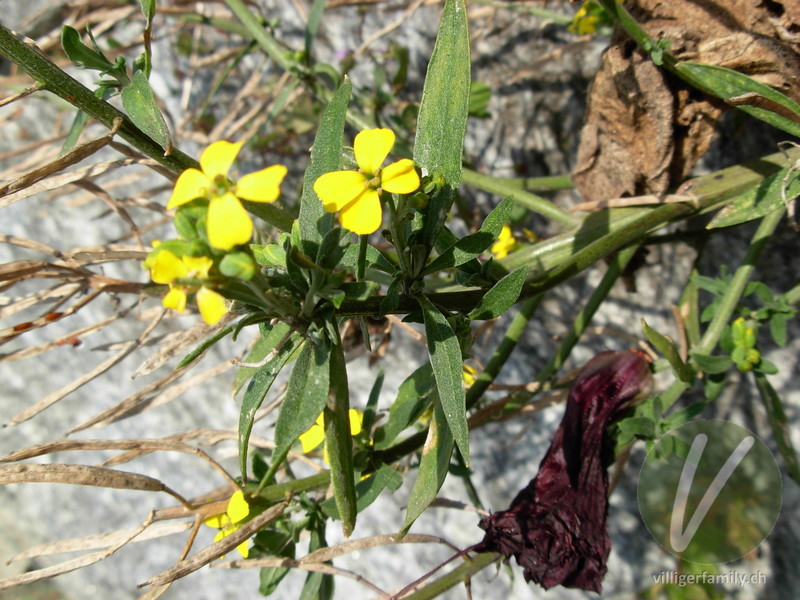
556	526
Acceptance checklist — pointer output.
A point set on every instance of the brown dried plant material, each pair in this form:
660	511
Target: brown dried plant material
645	129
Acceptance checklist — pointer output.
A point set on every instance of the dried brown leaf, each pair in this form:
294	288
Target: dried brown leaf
142	446
58	181
145	400
178	342
51	399
101	540
326	554
70	565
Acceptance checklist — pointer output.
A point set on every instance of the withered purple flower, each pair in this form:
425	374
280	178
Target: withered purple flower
556	526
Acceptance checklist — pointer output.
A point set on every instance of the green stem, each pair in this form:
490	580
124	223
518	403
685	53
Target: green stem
548	183
455	577
728	302
256	29
279	491
503	352
55	80
530	201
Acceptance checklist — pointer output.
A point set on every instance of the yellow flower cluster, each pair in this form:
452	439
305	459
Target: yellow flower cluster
226	221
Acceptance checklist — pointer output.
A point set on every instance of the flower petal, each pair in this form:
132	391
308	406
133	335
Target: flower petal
166	267
190	185
339	188
314	436
400	177
197	266
228	223
238	508
261	186
175	299
355	421
371	147
211	304
218	158
218	521
244	549
364	215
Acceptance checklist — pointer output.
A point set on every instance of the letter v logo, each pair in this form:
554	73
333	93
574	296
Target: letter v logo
680	540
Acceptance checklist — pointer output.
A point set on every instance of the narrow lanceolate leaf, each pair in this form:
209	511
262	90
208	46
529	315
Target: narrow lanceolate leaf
443	112
413	398
779	424
326	156
261	348
432	468
471	246
339	443
668	350
501	297
445	353
140	104
305	398
758	201
755	98
259	386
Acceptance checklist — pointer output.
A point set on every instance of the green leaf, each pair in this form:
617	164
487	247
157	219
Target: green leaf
339	442
758	201
447	364
641	426
712	364
80	53
238	265
326	156
312	25
432	468
755	98
274	215
368	490
471	246
667	349
306	394
375	259
272	542
318	586
140	104
332	248
260	384
479	96
148	9
368	419
413	398
443	112
501	297
780	425
261	347
271	255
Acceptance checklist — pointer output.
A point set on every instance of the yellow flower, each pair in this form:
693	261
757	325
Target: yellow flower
505	243
228	223
316	433
468	373
237	512
584	23
165	267
356	194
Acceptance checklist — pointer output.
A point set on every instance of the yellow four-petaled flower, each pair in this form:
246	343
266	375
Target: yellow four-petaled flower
165	267
505	243
356	194
228	223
